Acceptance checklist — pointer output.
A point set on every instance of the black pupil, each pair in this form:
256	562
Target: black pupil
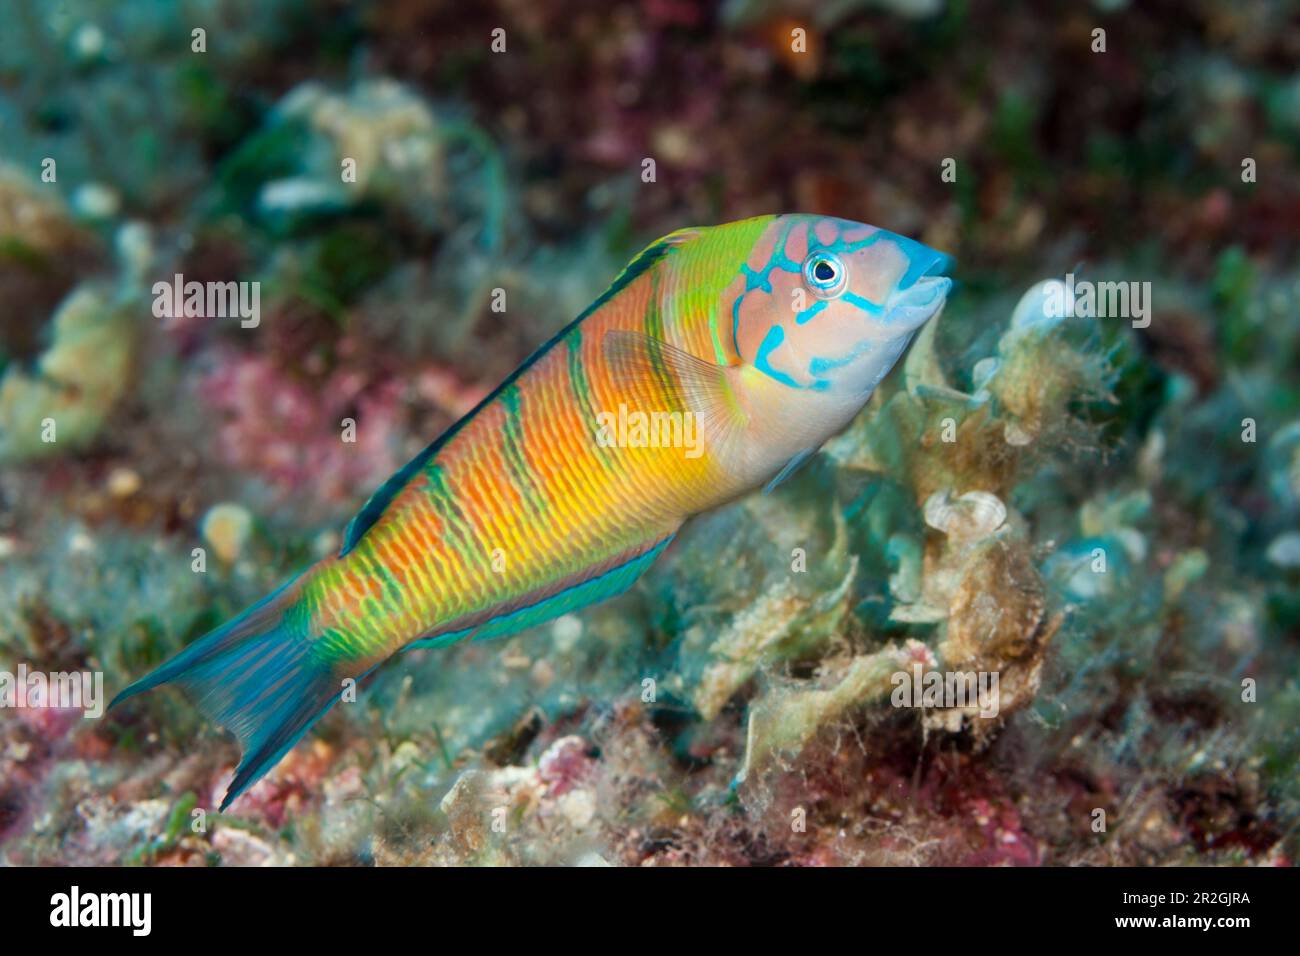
824	271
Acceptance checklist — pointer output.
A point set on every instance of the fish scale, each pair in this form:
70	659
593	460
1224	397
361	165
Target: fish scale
537	503
542	489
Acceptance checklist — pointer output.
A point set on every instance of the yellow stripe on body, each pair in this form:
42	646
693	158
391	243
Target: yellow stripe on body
532	480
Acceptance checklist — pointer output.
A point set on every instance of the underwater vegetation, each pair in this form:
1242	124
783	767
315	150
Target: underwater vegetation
1103	511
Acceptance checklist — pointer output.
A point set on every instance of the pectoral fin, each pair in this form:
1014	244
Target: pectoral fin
691	384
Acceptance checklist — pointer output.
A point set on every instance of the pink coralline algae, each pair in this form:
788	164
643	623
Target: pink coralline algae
565	764
337	438
967	806
296	784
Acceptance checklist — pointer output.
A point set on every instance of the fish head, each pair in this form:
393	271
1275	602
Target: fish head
829	305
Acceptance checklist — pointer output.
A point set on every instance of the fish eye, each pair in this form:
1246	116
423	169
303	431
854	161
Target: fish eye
825	274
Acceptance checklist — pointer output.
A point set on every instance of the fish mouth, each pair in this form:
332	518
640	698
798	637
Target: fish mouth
937	263
922	289
925	292
912	306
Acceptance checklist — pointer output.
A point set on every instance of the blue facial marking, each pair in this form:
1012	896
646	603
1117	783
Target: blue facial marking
820	366
806	315
753	280
756	280
775	336
761	279
920	258
772	341
866	305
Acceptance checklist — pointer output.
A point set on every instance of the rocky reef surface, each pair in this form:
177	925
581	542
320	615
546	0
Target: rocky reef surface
1103	512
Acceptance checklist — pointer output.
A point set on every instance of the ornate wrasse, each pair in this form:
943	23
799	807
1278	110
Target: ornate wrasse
717	361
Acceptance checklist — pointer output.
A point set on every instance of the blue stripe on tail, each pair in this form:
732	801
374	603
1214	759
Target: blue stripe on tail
256	676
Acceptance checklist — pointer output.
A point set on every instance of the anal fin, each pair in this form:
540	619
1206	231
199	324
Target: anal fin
598	583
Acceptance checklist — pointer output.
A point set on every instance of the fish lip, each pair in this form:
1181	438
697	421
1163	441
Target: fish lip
931	285
910	308
923	260
928	290
939	266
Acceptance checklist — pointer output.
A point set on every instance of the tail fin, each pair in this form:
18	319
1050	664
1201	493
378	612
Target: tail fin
256	676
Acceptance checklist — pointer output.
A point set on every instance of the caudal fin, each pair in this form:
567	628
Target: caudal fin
256	676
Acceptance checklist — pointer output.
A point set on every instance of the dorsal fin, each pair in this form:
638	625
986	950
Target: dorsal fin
378	502
642	261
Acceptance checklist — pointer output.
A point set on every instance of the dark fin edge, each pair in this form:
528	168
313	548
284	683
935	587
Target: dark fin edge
378	502
255	676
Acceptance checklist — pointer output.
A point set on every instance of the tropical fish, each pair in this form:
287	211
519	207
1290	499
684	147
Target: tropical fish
717	361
